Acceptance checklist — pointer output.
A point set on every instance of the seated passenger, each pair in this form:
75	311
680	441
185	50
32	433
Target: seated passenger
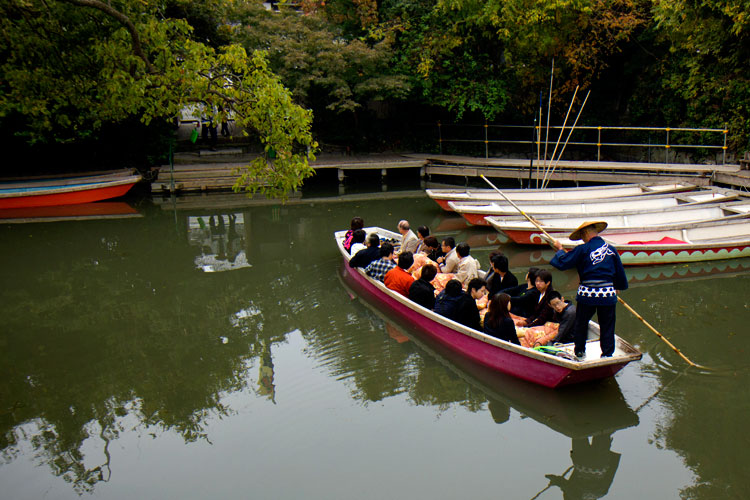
542	311
409	240
378	268
468	266
497	321
467	312
398	279
565	315
501	277
421	291
448	263
369	254
431	248
356	223
523	298
422	233
446	303
358	241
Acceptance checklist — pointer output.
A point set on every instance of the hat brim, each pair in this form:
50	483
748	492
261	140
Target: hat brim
599	226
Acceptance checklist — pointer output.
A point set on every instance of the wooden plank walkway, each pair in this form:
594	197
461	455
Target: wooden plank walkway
217	171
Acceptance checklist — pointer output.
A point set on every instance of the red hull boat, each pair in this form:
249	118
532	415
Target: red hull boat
521	362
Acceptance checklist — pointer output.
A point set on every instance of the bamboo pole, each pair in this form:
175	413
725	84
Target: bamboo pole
545	181
552	241
562	131
549	108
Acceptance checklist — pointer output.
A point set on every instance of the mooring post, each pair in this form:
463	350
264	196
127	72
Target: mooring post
342	175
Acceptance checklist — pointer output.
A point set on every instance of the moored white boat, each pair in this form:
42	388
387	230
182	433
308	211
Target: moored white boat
498	355
524	232
475	212
443	196
722	240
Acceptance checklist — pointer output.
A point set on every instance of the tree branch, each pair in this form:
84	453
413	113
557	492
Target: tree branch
125	21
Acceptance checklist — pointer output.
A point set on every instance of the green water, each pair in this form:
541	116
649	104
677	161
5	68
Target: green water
155	357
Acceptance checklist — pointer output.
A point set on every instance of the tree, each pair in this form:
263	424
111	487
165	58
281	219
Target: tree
323	69
71	66
709	51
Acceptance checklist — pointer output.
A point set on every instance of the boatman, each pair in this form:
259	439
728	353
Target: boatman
601	275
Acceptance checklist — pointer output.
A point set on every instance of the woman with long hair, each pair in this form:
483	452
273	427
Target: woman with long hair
497	321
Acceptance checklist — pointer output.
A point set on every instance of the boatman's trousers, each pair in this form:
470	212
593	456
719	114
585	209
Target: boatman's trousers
606	318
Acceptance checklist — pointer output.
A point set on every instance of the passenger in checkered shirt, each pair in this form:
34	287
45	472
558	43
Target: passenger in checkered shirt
378	268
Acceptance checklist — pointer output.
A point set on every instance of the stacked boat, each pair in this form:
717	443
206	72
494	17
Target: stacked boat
647	223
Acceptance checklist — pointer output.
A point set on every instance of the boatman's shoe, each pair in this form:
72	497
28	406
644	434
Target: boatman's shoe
580	354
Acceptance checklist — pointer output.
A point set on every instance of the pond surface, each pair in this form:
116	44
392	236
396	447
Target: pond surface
209	352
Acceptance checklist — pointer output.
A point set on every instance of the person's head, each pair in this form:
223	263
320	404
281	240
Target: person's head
543	281
494	254
403	226
423	232
357	223
428	272
358	236
499	308
373	240
448	244
556	301
405	260
431	242
386	250
500	264
531	275
453	288
463	249
477	288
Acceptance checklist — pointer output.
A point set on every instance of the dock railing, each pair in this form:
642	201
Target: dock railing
587	137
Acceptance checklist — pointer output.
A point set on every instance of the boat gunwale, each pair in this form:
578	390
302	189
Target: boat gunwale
440	194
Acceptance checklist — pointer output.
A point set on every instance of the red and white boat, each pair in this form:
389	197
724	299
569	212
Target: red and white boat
69	191
525	233
723	240
475	212
443	196
498	355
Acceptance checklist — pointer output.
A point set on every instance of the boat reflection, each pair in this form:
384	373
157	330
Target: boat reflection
83	211
588	414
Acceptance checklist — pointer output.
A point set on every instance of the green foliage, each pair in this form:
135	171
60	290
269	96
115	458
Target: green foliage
73	65
322	69
709	51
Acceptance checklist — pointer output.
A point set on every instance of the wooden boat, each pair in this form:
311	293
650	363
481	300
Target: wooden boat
475	212
443	196
524	232
72	191
498	355
723	240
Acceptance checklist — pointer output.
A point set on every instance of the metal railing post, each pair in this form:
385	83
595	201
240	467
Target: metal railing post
440	138
599	144
724	148
486	142
666	149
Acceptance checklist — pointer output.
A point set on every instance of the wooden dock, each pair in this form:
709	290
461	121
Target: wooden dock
217	171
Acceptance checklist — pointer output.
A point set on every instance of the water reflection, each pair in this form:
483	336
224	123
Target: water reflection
221	243
589	414
110	328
